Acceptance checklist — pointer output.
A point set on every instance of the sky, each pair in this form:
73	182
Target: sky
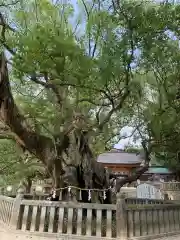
128	141
124	142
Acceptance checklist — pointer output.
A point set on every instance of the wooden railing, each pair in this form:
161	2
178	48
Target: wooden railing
146	220
32	196
42	182
6	207
140	201
127	219
171	186
82	219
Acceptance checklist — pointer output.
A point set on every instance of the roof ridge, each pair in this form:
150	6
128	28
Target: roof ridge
118	158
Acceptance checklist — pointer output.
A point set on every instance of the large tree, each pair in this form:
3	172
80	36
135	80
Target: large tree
70	80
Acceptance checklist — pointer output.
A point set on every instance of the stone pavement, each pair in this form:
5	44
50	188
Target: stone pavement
170	238
13	236
8	234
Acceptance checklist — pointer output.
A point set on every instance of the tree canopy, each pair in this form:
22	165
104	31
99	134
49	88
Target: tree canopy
71	77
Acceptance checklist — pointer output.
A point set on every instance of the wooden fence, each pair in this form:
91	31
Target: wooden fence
123	220
146	220
140	201
170	186
68	218
29	196
6	208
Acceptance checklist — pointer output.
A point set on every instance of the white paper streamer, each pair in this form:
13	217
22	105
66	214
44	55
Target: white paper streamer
54	194
89	195
104	195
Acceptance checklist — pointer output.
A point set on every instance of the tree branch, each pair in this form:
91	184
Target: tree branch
113	110
121	182
97	33
10	4
120	137
63	84
39	145
98	114
89	34
147	147
5	27
48	86
94	103
7	47
33	77
127	76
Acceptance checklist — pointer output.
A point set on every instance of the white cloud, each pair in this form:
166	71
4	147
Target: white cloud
126	131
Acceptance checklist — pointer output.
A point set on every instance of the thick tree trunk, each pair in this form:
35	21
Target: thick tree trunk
71	149
39	145
43	147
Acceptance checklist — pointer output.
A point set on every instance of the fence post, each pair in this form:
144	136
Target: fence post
34	194
16	208
121	217
2	191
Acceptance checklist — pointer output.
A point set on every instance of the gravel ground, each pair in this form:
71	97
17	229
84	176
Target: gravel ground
5	234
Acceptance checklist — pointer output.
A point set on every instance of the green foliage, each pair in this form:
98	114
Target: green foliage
159	111
116	67
132	149
15	166
47	46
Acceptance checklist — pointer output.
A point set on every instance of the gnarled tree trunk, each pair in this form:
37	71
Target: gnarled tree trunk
70	149
53	155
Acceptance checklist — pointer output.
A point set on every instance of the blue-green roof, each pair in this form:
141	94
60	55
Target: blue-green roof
158	170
